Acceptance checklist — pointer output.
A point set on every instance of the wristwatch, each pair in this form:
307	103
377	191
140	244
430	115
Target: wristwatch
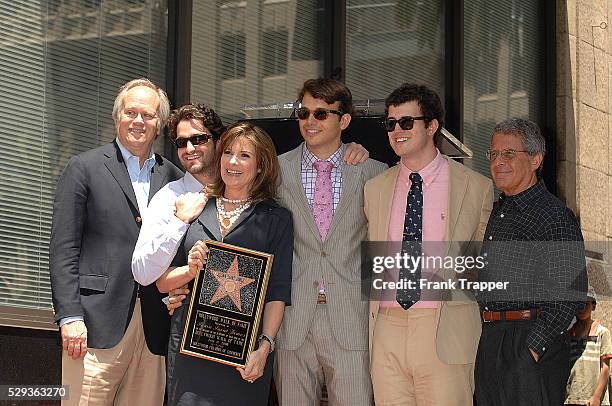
268	339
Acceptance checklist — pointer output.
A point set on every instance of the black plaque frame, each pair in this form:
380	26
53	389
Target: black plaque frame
216	328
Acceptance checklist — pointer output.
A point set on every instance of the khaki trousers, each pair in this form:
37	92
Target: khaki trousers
406	369
127	374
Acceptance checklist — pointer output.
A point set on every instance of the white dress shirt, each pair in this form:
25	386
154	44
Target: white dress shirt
139	176
161	231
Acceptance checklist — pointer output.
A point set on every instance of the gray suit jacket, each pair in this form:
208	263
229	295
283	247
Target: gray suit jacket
337	259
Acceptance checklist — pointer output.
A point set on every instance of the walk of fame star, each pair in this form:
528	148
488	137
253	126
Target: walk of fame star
230	283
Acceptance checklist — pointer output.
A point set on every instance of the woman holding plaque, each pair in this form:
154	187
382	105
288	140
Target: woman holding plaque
240	211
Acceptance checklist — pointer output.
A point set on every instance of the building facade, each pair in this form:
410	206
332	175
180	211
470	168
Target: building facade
62	61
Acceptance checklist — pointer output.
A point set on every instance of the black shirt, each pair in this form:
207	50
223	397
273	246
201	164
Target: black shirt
533	242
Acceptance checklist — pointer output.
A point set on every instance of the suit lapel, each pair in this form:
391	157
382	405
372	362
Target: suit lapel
296	189
114	163
159	176
385	200
350	180
208	219
457	185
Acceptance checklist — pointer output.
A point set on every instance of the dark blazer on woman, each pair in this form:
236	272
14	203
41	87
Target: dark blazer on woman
265	227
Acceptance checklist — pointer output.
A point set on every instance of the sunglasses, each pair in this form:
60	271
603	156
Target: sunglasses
320	114
405	123
196	139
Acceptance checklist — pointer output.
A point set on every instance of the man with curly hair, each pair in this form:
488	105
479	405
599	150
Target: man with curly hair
194	129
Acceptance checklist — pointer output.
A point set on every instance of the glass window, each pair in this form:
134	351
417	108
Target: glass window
274	46
502	65
253	52
61	65
389	43
231	55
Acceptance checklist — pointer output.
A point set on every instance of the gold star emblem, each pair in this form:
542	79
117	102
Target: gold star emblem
230	283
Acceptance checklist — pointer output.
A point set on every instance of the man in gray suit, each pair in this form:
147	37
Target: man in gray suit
324	335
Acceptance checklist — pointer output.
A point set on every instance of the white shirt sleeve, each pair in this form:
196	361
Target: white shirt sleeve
159	238
69	319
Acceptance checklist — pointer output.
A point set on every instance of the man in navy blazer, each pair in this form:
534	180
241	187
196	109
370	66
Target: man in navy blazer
114	331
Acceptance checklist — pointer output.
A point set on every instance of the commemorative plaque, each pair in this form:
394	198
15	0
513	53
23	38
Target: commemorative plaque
226	304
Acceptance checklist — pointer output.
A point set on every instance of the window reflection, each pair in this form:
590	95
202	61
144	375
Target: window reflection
62	62
389	43
503	57
253	52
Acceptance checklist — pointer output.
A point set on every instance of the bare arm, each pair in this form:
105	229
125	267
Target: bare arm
602	382
272	319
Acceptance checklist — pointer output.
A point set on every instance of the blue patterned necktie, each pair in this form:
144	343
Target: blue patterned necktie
412	241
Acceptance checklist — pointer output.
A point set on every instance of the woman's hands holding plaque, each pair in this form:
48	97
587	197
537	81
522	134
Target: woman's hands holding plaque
197	258
256	363
175	298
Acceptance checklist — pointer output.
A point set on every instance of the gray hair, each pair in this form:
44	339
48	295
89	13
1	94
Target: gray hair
529	132
163	111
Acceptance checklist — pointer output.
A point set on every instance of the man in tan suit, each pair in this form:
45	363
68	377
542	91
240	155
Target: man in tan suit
423	347
323	338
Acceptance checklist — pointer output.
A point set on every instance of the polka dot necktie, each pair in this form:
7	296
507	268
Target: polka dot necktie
323	199
412	242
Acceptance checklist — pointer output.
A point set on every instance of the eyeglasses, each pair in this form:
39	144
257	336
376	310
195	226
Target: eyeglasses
132	114
196	139
405	123
504	154
320	114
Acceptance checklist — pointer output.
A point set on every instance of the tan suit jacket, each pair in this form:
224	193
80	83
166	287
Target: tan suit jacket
338	259
470	200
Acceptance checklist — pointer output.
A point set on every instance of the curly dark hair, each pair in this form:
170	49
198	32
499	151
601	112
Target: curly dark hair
330	91
428	100
191	111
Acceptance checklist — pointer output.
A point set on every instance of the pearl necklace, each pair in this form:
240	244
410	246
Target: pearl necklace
226	218
234	201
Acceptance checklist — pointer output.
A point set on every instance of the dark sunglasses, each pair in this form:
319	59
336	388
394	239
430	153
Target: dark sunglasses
320	114
194	139
405	122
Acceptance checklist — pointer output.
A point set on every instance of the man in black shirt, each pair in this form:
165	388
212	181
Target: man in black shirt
533	242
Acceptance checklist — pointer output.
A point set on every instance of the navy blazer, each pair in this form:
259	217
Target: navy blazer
95	227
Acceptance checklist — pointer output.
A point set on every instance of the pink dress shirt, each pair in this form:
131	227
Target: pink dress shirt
435	217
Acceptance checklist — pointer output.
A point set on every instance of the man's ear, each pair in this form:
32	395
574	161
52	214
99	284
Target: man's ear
434	124
536	161
345	120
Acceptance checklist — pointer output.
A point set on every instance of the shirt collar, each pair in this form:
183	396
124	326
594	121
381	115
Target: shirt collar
527	197
191	183
428	173
128	156
308	158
